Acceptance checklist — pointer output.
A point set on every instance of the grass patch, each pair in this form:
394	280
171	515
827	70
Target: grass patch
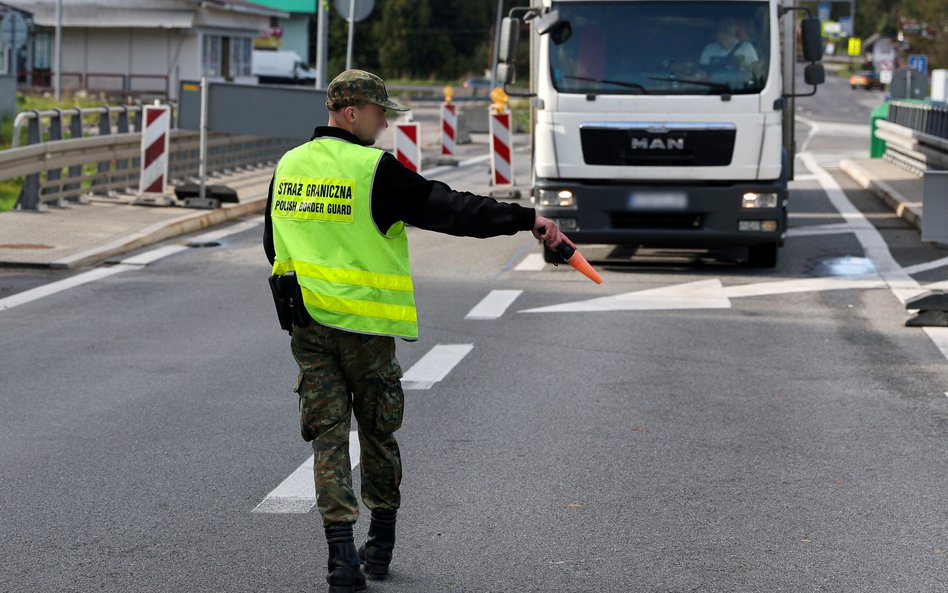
9	192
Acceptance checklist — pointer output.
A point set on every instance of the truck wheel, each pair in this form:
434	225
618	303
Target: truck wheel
762	256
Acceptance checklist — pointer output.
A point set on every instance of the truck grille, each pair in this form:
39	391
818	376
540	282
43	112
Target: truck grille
657	144
657	221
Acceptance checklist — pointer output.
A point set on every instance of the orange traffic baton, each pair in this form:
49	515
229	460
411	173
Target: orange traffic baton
574	258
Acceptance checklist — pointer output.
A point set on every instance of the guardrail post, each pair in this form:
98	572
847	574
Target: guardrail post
137	127
30	196
75	171
104	167
55	134
122	164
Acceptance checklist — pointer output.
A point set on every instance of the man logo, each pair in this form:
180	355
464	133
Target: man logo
658	144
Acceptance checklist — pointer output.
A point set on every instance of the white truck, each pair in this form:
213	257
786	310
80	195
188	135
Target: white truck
281	67
664	122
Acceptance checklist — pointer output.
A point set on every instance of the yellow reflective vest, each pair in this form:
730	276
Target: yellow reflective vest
353	275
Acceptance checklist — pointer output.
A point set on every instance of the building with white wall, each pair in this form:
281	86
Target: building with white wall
146	47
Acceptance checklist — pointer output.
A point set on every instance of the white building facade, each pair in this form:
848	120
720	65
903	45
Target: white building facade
139	47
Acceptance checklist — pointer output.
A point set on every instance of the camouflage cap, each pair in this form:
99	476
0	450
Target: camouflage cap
358	87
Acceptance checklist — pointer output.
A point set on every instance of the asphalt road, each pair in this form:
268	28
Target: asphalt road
780	431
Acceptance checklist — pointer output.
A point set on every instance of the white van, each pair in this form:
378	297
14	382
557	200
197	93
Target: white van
281	67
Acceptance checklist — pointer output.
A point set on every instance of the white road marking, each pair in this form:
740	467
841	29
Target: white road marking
227	231
533	262
797	285
703	294
924	267
820	229
143	259
33	294
134	262
297	493
435	365
902	285
804	178
708	294
494	304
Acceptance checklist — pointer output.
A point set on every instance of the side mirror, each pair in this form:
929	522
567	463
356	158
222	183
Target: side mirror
509	34
811	34
814	74
559	30
506	73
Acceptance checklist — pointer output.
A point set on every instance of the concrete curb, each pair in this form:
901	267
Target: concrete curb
895	200
161	231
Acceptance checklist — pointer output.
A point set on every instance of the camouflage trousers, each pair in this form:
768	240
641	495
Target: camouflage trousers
343	372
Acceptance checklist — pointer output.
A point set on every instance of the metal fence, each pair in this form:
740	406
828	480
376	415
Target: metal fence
66	158
930	117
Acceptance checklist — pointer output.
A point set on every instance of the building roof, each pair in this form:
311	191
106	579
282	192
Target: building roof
293	6
138	14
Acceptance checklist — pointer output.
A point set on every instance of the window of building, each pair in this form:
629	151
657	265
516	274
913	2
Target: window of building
226	57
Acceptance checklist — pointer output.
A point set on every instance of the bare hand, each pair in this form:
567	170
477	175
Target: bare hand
547	231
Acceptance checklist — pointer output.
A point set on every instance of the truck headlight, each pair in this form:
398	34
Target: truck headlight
760	200
562	198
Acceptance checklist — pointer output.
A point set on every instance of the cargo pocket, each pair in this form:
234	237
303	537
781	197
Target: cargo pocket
391	404
307	415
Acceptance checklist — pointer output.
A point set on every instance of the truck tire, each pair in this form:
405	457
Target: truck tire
762	256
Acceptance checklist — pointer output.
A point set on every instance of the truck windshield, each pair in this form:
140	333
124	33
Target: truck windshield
662	48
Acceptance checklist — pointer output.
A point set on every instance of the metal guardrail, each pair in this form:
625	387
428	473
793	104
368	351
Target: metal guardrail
57	170
930	117
912	149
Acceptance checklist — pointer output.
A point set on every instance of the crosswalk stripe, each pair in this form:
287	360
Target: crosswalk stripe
494	304
297	493
435	365
533	262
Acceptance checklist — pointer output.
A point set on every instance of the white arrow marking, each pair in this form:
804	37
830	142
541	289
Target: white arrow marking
297	493
703	294
708	294
803	285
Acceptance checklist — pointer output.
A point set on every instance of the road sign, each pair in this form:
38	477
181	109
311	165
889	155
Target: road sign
855	46
918	62
13	30
908	84
362	9
846	24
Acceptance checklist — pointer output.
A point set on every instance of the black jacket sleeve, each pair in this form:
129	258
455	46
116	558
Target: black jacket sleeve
400	194
268	227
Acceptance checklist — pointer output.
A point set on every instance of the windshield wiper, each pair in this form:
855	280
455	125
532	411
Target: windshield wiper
631	85
714	85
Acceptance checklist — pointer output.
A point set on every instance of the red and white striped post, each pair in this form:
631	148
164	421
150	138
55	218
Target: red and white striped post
449	127
408	145
501	166
449	124
155	141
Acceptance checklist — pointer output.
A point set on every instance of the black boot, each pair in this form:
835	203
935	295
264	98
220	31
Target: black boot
345	575
376	554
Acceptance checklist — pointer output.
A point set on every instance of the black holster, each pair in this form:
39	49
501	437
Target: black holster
288	299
